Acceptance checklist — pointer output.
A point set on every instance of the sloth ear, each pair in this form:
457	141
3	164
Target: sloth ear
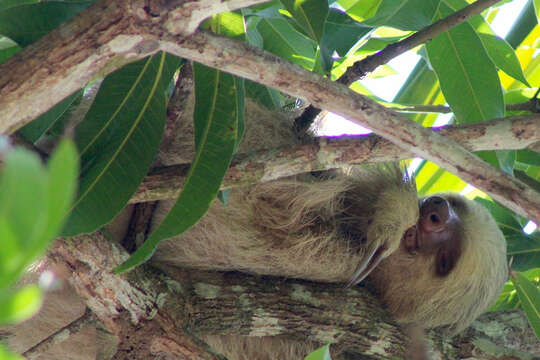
445	260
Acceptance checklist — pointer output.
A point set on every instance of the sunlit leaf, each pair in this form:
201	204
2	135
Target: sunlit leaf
503	56
404	14
468	79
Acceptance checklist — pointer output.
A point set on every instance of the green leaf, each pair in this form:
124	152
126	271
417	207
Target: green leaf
281	39
322	353
34	130
6	355
468	79
360	10
33	205
119	138
217	115
404	14
310	15
26	23
537	9
8	48
525	249
21	305
341	32
268	97
503	56
529	295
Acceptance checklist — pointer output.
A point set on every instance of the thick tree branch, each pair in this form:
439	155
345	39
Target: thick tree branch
149	311
517	132
111	33
246	61
91	45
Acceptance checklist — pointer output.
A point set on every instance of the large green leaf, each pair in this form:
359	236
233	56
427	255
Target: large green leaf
26	23
218	112
119	138
34	130
529	296
503	56
467	76
525	249
310	15
404	14
281	39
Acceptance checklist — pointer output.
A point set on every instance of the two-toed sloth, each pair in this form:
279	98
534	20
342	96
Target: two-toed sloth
434	261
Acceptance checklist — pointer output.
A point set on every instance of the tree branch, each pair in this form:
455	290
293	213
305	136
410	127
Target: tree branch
149	311
371	62
112	33
517	132
246	61
98	41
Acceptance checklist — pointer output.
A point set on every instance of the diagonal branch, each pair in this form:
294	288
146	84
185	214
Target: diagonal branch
517	132
112	33
91	46
249	62
371	62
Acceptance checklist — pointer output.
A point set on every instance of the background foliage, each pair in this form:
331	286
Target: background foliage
469	68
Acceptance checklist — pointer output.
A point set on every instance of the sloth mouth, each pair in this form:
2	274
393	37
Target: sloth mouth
367	265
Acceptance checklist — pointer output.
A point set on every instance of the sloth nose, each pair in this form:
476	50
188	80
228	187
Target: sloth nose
434	213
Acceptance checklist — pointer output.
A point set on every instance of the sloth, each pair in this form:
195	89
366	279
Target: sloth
438	261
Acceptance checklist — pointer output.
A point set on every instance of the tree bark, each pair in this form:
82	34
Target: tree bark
324	153
152	313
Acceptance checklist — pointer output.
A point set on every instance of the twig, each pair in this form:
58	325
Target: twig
518	132
59	336
370	63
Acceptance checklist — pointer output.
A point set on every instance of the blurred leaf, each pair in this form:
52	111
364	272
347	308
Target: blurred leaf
529	295
509	298
217	115
404	14
20	305
524	248
310	15
322	353
34	130
281	39
119	138
503	56
26	23
33	205
468	79
6	355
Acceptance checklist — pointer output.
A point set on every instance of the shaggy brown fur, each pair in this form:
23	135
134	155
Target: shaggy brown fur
321	229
